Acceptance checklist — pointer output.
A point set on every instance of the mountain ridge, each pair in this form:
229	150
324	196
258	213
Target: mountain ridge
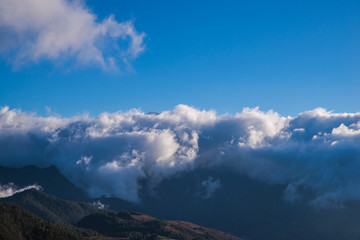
51	208
81	220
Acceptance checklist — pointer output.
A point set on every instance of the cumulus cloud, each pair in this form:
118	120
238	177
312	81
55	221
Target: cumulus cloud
63	30
316	151
10	189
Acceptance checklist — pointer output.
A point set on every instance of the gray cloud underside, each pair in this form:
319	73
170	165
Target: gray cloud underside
316	150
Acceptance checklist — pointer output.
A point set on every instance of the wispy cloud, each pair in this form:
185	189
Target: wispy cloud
62	30
317	151
10	189
210	186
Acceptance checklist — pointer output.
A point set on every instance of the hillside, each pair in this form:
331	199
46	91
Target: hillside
51	208
17	223
99	224
141	226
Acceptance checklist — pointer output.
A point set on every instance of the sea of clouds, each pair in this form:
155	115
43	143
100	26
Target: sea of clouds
317	150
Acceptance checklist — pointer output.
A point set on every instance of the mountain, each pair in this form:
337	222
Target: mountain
50	179
141	226
223	199
51	208
216	198
104	224
17	223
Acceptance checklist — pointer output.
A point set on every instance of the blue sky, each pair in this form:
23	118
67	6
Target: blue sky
290	56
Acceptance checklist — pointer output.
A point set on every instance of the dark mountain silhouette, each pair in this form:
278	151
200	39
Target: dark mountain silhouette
50	179
17	223
248	208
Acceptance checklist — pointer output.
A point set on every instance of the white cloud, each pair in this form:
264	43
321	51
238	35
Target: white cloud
316	151
99	205
10	189
342	130
60	30
299	130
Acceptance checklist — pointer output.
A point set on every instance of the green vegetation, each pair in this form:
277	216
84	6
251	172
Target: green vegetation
18	224
51	208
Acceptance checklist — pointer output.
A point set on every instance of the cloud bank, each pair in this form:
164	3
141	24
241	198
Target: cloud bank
62	30
316	151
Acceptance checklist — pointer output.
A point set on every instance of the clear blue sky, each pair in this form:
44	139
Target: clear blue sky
289	56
